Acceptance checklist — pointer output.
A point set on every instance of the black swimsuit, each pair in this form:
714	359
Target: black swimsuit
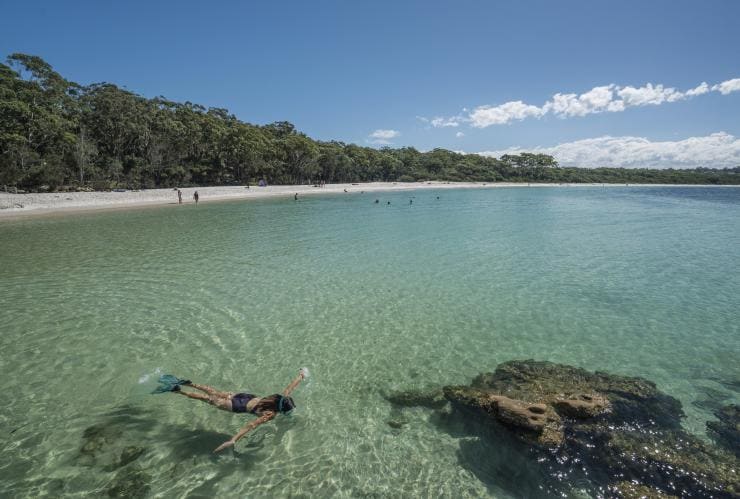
239	402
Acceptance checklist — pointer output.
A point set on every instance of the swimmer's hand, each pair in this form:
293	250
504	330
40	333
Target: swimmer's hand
228	443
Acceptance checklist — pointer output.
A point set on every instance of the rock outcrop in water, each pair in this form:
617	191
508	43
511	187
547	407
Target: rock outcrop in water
619	434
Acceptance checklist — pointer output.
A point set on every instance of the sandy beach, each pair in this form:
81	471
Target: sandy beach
23	205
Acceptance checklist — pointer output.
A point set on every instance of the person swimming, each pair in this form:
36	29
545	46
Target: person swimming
264	407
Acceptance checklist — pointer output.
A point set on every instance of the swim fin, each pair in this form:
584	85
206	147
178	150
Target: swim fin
170	383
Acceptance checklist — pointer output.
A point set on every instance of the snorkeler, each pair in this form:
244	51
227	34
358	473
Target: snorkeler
264	407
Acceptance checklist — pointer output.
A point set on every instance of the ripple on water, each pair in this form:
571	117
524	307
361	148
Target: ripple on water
372	298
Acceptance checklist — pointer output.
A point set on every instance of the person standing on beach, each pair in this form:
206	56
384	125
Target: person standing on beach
195	197
179	196
296	196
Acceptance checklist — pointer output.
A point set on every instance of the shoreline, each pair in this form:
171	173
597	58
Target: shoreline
15	206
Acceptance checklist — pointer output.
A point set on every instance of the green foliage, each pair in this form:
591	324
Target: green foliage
54	132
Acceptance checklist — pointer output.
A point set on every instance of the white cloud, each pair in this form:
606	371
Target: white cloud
648	95
606	98
700	90
718	150
445	122
459	134
484	116
727	86
383	136
596	100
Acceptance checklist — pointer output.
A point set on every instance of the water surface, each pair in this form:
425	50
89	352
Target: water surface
372	298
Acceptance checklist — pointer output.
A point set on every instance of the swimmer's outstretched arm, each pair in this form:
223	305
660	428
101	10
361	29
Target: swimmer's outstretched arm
247	428
293	384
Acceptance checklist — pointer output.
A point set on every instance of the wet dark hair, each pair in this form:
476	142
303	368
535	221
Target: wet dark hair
275	403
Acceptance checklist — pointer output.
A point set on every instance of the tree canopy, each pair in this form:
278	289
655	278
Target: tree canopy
54	132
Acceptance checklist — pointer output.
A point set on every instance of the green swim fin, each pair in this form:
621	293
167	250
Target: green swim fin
170	383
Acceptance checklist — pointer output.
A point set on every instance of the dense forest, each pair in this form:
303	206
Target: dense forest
55	134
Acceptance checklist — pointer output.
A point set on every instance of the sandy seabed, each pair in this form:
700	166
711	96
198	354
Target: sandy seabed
21	205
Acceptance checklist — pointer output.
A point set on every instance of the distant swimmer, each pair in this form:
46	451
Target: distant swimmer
377	201
437	197
411	201
195	197
296	196
389	202
264	407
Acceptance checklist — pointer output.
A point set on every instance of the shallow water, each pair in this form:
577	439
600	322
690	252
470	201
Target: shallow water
372	298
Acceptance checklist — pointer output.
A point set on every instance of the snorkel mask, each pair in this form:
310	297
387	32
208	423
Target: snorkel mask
285	404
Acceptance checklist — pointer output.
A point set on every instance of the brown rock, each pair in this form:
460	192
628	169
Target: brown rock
539	418
582	405
537	423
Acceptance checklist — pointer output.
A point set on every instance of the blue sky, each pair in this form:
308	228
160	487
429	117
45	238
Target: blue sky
382	71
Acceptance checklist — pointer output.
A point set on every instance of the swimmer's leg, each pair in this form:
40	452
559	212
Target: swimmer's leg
197	396
215	400
211	391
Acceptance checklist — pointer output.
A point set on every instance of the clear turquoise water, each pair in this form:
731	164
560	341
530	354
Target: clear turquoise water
372	298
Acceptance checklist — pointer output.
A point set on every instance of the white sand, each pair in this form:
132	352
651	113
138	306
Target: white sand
15	205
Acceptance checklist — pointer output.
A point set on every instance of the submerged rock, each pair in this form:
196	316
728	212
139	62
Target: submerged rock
397	423
97	441
726	431
619	434
128	455
107	445
130	483
433	399
629	490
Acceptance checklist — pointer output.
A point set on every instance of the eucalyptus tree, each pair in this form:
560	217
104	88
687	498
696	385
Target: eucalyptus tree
53	131
38	127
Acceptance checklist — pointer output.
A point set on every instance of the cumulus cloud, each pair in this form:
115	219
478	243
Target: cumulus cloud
459	134
596	100
383	136
727	86
484	116
718	150
606	98
649	95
